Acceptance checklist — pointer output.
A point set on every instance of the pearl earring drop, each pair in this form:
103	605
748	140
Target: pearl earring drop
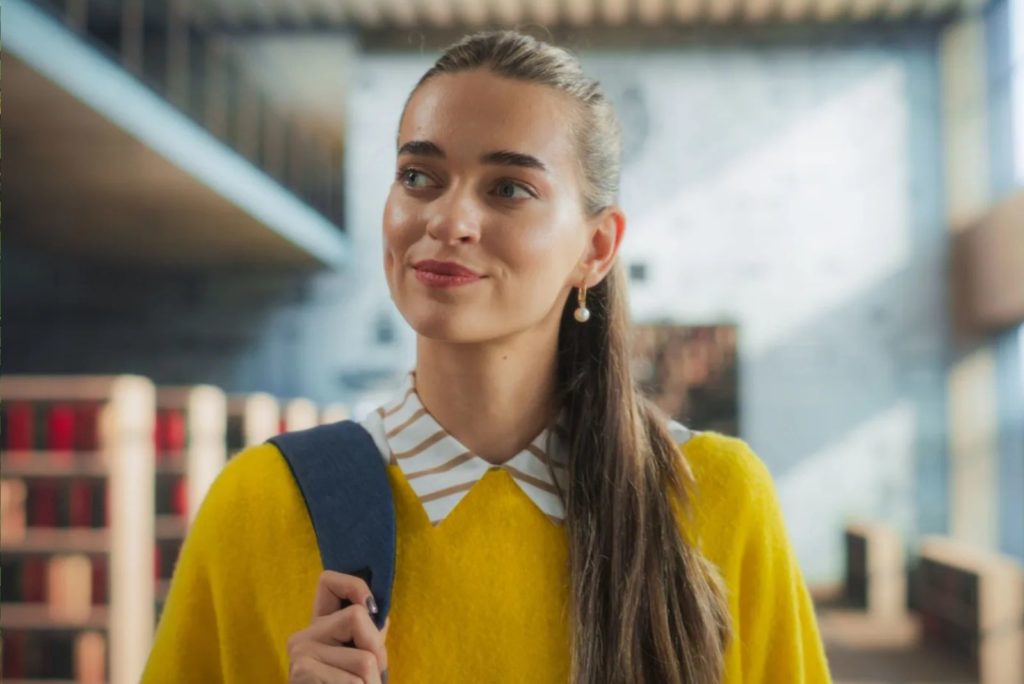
582	313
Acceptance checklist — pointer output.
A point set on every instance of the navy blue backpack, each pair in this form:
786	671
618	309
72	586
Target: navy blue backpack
342	477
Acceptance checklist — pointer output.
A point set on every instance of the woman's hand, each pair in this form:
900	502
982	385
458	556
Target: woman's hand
341	645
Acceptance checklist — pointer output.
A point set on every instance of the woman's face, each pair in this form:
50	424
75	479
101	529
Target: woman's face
486	177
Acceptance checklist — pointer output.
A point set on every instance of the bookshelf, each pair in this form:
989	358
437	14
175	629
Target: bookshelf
191	447
972	602
251	420
77	527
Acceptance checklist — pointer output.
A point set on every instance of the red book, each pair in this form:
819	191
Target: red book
156	562
99	580
20	425
87	420
43	504
176	431
14	654
171	431
157	436
179	497
33	579
60	428
80	503
160	433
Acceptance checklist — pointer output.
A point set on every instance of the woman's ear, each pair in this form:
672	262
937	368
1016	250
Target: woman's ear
606	231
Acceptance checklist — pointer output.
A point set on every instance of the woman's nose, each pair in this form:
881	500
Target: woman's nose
454	218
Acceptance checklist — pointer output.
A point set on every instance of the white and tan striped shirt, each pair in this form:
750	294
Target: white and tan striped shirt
441	470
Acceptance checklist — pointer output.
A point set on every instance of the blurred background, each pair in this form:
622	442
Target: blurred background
825	253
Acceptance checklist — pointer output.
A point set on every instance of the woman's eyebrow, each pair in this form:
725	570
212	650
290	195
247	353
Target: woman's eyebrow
507	158
425	148
421	148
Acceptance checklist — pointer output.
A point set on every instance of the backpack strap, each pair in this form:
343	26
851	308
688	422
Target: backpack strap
342	476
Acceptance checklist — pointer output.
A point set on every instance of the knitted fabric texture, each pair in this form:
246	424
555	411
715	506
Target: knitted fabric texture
480	597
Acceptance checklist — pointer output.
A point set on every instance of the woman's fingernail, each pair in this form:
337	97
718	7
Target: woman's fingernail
371	605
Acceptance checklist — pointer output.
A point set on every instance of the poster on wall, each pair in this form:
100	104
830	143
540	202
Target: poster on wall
690	372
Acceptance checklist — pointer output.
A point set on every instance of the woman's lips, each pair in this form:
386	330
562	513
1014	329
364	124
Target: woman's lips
434	273
431	279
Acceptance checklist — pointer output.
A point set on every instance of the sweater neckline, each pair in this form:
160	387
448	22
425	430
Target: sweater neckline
441	470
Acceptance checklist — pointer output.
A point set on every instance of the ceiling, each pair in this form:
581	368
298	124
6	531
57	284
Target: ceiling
303	51
425	14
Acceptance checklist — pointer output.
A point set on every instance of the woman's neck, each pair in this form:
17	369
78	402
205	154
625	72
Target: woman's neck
494	398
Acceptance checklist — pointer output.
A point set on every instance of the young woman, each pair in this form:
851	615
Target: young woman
552	525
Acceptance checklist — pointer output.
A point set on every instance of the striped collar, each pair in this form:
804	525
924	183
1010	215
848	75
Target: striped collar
441	470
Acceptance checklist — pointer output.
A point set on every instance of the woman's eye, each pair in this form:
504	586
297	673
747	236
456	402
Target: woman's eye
508	190
413	178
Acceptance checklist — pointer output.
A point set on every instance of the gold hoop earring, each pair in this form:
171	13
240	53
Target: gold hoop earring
582	313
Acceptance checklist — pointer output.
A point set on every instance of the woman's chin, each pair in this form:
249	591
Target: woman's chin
446	327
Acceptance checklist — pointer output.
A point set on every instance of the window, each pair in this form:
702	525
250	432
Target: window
385	329
1017	86
638	271
1020	348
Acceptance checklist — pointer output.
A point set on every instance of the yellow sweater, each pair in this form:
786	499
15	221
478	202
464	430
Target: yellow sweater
481	597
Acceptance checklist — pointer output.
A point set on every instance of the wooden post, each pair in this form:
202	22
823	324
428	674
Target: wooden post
296	158
252	419
214	96
132	35
247	129
332	413
178	66
300	414
76	15
273	141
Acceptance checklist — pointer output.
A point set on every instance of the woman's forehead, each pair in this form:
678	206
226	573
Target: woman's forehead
477	112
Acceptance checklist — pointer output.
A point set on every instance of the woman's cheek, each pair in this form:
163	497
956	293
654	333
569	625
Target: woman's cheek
399	230
394	248
392	219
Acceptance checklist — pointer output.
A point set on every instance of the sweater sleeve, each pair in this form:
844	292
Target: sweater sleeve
244	579
775	633
777	625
